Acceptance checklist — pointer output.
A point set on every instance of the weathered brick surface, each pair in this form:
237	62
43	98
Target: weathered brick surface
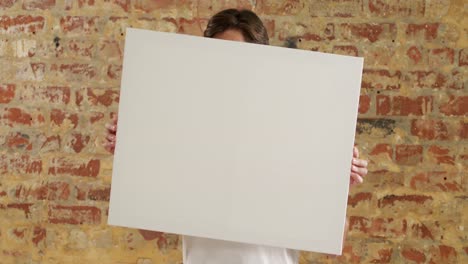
60	70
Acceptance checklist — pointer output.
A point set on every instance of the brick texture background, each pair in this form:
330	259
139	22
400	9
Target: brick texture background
60	67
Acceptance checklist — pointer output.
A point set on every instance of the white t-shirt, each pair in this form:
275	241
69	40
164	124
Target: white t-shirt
209	251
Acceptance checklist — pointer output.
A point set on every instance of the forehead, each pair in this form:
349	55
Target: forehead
230	34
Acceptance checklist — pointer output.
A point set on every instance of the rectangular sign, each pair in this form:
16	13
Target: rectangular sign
234	141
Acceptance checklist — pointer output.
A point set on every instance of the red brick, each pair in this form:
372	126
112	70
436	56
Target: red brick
78	141
335	8
463	57
443	254
421	231
124	4
380	55
96	117
39	235
32	94
114	71
19	232
358	198
78	4
74	215
404	106
81	48
115	27
38	4
381	79
46	191
280	7
349	50
51	143
414	54
25	207
328	33
441	155
371	32
111	49
18	141
31	71
149	235
23	164
190	27
81	193
382	148
456	80
79	97
316	33
239	4
75	71
364	104
93	193
16	116
441	57
58	117
463	131
7	93
390	200
413	255
428	30
105	97
74	167
431	79
21	24
150	6
378	227
456	106
4	4
14	253
436	181
429	129
349	255
38	69
99	194
408	154
383	105
385	256
79	24
397	8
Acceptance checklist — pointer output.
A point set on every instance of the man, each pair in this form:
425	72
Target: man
244	26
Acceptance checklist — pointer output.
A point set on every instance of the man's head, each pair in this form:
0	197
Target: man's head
237	25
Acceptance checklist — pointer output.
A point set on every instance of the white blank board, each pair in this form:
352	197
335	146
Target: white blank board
234	141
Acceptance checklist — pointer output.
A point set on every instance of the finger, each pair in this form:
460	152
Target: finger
360	162
109	147
111	138
353	182
355	152
109	144
358	170
111	128
356	178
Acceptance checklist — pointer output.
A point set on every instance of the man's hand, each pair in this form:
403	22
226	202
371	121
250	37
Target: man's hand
111	136
358	168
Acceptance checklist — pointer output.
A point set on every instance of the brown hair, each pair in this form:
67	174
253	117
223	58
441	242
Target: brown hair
245	21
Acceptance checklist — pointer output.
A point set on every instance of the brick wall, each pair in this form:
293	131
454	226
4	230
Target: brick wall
60	66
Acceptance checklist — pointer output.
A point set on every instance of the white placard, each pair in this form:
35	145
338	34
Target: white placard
234	141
